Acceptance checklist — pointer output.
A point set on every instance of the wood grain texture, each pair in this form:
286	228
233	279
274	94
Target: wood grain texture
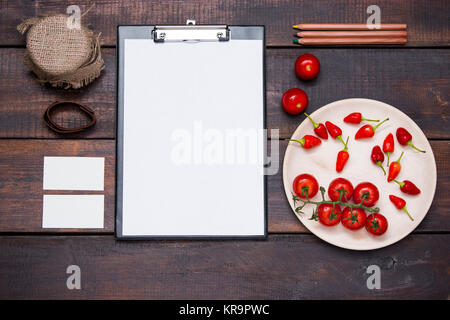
21	172
428	23
299	266
414	80
281	267
24	100
21	167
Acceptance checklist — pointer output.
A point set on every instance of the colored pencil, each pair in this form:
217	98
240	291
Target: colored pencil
362	40
347	26
350	34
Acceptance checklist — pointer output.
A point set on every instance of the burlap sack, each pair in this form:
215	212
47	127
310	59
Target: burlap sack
62	56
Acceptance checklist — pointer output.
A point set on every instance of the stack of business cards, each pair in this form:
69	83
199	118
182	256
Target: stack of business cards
73	210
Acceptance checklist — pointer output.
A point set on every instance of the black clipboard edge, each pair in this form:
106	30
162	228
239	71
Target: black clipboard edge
146	33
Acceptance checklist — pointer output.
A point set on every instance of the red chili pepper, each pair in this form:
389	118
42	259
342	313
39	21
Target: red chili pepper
319	129
308	141
377	157
394	169
368	131
342	158
356	117
388	146
400	204
404	138
334	131
408	187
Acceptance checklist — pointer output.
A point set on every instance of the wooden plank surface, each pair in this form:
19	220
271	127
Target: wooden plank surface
282	267
21	172
414	80
21	169
24	100
428	23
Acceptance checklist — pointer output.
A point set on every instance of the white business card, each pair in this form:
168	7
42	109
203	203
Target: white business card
74	173
73	211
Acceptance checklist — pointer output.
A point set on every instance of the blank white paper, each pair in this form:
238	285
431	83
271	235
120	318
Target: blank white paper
74	173
73	211
173	86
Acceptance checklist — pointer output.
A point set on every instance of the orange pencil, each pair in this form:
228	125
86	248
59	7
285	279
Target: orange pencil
350	34
362	40
347	26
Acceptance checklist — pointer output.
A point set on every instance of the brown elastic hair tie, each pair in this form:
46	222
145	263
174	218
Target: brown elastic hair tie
59	129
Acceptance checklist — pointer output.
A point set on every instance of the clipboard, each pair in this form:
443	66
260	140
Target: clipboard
184	93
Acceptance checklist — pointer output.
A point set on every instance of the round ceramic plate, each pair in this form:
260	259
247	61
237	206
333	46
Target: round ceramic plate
417	167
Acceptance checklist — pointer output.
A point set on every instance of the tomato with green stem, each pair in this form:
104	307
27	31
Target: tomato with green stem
366	192
315	216
305	186
327	215
376	224
336	185
353	218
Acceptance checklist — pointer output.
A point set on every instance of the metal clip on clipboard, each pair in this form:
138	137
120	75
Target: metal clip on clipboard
190	32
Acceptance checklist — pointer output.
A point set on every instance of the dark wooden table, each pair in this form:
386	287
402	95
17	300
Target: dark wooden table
291	263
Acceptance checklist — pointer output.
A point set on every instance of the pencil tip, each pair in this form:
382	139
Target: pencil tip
295	26
296	41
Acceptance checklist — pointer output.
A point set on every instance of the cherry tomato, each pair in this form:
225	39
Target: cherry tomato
305	180
372	191
355	220
376	224
307	66
337	184
327	216
294	101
